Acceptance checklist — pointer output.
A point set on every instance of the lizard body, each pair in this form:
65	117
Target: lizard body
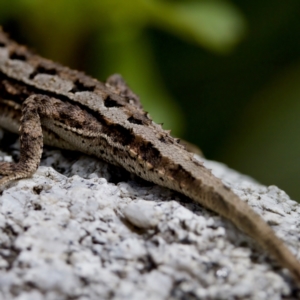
61	107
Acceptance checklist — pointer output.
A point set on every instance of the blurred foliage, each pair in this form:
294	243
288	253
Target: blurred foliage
221	74
117	30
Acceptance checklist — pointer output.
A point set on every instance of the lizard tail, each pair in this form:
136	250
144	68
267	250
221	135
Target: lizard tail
229	205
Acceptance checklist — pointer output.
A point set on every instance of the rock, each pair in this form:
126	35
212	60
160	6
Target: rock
81	229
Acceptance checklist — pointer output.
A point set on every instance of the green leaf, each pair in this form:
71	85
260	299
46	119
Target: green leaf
216	25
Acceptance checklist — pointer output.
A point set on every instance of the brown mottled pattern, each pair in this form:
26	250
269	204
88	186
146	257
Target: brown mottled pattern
74	111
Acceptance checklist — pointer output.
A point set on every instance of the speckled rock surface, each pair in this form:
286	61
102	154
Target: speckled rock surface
82	229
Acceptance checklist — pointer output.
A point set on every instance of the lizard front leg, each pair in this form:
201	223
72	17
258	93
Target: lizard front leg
31	144
39	114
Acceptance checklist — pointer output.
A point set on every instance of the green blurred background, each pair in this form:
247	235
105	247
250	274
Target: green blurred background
224	75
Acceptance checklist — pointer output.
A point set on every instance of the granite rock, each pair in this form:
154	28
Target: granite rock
82	229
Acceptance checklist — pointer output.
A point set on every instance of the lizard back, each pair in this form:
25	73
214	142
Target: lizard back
97	119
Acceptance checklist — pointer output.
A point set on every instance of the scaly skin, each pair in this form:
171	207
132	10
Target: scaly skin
67	109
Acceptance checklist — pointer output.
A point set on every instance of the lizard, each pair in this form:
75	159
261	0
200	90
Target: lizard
47	103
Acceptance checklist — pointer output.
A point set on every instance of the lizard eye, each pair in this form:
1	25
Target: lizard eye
80	87
2	44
